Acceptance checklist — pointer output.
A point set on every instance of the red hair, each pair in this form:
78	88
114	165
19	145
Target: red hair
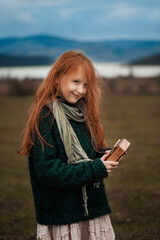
49	90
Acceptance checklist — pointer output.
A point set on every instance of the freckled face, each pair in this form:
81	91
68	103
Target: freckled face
74	86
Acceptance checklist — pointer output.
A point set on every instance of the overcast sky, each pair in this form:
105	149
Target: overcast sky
81	19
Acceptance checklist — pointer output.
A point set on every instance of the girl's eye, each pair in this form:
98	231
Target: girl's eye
75	81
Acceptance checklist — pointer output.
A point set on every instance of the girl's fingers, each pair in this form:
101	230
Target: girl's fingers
112	163
108	151
103	158
120	159
111	167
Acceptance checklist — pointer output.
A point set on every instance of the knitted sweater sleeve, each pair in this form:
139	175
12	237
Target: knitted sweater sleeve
54	171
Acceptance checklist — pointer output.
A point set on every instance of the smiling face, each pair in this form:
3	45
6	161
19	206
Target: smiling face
73	86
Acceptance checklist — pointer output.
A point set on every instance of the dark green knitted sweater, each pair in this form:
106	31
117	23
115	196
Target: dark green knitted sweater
57	185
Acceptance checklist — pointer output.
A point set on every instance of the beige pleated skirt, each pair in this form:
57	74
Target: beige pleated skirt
96	229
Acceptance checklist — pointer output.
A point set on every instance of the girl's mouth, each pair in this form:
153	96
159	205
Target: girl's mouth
77	96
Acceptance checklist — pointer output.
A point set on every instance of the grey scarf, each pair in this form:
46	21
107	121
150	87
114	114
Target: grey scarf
74	151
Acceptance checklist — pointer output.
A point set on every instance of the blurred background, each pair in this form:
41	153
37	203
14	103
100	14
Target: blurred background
122	38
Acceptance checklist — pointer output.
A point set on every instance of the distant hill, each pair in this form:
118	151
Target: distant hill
12	61
153	60
104	51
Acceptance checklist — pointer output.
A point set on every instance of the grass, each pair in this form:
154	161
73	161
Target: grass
133	189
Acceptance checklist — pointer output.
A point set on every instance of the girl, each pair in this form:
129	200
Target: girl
64	140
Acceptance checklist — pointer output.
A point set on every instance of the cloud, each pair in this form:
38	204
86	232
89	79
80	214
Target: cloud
66	13
87	19
155	15
71	12
123	11
26	11
31	3
15	15
120	13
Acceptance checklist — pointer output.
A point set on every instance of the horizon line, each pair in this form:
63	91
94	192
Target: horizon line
83	40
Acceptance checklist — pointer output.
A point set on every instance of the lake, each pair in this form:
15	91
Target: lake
105	69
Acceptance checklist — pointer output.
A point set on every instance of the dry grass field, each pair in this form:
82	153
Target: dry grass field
133	189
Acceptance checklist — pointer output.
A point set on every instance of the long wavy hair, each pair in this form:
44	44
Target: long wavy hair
66	64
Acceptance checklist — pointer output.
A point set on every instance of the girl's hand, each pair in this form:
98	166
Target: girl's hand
105	156
110	165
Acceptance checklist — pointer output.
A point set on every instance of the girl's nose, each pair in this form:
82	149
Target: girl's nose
80	89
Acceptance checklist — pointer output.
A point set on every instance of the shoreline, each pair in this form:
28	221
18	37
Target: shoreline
129	84
105	69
